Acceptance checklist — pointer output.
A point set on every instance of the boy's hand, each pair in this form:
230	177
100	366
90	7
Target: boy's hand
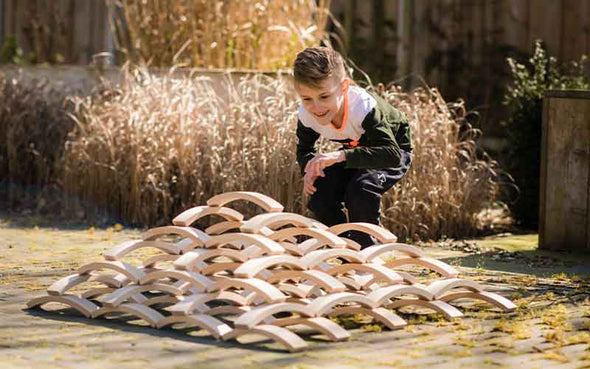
316	165
308	181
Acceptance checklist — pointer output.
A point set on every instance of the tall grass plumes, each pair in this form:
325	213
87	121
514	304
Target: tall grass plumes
157	145
244	34
154	146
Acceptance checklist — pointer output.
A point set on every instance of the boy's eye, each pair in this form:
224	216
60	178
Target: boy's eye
324	97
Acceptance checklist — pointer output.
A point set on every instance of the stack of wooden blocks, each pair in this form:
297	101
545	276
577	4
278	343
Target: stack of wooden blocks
264	275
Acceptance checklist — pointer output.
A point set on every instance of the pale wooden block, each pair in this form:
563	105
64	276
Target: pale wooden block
192	258
144	312
290	340
125	248
384	316
296	290
264	289
375	251
252	267
438	266
380	233
269	246
449	311
384	294
188	217
164	299
197	236
213	326
214	268
123	294
272	220
325	326
438	288
324	237
252	318
380	273
153	261
313	258
116	281
84	306
490	297
317	277
197	280
267	203
228	310
61	286
128	270
95	292
222	227
292	248
324	304
198	302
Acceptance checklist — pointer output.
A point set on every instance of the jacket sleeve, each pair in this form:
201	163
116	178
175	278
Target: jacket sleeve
381	149
306	144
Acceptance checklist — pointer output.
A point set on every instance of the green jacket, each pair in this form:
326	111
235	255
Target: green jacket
381	131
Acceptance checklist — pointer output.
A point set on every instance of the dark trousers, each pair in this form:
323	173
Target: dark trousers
360	190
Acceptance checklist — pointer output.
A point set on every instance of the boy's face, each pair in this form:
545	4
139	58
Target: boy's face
323	102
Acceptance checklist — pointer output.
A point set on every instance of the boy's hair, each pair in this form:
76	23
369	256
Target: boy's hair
315	64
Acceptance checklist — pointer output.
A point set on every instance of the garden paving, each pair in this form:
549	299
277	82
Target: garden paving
551	327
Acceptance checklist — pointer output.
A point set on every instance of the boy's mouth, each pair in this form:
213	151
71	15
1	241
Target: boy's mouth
320	115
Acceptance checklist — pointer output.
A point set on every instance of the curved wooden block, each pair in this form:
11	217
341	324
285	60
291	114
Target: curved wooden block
214	268
380	233
317	277
125	248
153	261
438	266
164	299
269	246
131	272
490	297
408	278
82	305
61	286
191	258
213	326
334	332
252	267
196	236
313	258
322	305
144	312
271	220
284	336
265	202
438	288
442	307
389	319
122	294
222	227
198	302
264	289
188	217
116	281
259	314
197	280
292	248
325	237
228	310
297	290
95	292
379	272
375	251
384	294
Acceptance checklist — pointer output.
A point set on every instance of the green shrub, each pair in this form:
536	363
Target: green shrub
525	101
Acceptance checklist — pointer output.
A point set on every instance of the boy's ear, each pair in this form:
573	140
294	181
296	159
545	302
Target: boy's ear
345	83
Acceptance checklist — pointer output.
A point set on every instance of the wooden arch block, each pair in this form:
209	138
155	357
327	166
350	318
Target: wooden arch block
61	286
384	316
96	292
82	305
257	315
380	233
325	326
317	277
198	302
313	258
252	267
131	272
490	297
188	217
379	272
222	227
225	310
449	311
324	304
384	294
197	280
269	246
196	236
271	220
265	290
324	237
125	248
438	266
268	204
163	299
438	288
153	261
213	326
144	312
193	258
290	340
375	251
122	294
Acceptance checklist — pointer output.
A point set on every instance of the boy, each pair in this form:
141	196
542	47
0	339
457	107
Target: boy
377	145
